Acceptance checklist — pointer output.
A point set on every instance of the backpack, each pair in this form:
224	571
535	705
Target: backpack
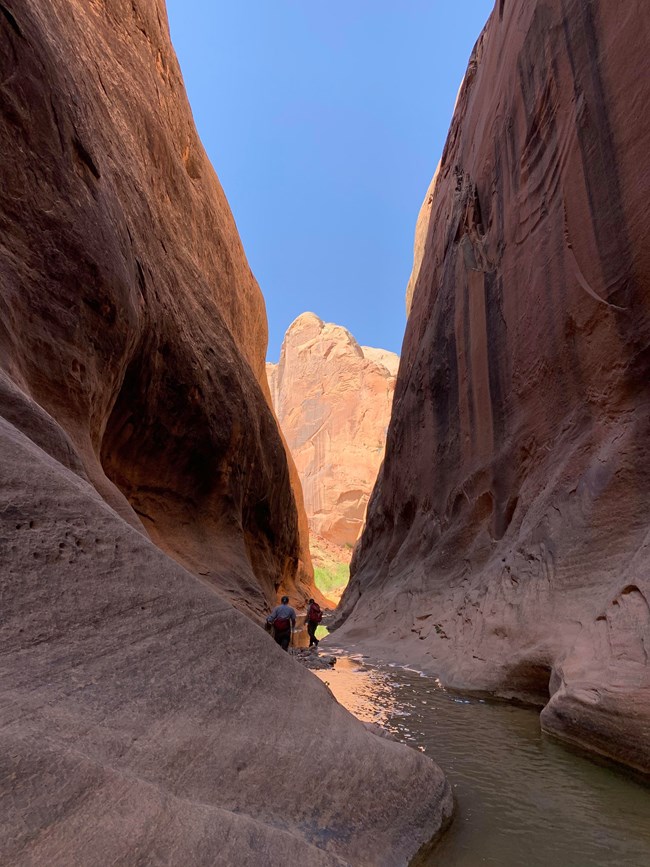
315	614
281	624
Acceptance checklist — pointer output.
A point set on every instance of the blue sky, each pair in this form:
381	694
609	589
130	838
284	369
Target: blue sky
325	122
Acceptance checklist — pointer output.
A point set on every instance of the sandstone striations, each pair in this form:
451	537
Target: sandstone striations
129	312
507	544
144	718
333	399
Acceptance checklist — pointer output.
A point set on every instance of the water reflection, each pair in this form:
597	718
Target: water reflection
365	692
522	798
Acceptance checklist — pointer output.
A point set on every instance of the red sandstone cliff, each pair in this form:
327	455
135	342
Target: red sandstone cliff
333	399
507	546
129	312
142	712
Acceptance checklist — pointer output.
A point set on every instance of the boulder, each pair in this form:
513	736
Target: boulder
507	545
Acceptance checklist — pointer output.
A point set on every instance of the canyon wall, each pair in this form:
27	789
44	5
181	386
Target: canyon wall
129	312
145	488
333	398
507	544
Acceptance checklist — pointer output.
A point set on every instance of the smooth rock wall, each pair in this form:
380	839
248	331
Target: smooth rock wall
128	310
507	545
142	718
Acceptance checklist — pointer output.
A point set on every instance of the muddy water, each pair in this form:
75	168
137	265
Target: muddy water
522	799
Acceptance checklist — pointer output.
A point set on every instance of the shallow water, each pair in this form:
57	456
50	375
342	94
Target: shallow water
522	798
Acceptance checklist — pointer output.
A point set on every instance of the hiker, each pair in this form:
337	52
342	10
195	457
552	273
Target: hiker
283	620
314	617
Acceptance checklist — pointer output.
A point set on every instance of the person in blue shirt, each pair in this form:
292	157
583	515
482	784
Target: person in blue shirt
283	620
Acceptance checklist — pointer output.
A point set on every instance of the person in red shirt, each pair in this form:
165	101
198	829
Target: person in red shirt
314	617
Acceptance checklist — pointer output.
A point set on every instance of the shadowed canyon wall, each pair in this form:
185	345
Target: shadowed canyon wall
129	312
143	716
507	544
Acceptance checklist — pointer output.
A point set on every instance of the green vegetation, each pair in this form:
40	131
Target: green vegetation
330	578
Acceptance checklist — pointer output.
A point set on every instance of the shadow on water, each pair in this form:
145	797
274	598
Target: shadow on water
522	798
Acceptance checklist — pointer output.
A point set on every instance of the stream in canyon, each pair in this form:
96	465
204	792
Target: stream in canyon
521	797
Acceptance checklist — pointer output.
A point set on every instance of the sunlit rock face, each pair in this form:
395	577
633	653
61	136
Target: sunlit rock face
148	716
333	399
507	544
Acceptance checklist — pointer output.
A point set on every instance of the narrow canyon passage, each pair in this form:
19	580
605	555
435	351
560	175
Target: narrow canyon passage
149	509
506	547
487	491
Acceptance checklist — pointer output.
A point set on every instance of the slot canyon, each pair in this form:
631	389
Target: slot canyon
163	485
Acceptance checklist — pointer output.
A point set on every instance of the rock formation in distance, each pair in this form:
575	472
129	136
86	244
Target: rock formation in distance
145	486
507	544
333	399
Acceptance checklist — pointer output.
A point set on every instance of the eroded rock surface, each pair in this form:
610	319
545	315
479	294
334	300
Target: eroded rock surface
143	718
128	310
507	546
333	399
